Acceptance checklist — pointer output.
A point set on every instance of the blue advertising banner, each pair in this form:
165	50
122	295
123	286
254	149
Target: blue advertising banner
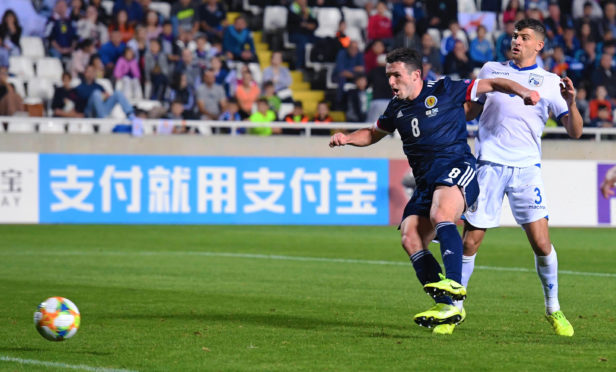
212	190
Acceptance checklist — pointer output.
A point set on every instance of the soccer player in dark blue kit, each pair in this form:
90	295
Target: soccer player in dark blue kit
430	118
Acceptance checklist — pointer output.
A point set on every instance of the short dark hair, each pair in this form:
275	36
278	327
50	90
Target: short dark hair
410	57
533	24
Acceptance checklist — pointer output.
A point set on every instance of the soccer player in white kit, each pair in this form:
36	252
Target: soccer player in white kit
508	149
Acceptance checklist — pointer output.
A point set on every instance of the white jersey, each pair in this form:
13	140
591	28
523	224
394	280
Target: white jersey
509	131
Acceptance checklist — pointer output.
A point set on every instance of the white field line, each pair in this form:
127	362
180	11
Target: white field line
60	365
284	258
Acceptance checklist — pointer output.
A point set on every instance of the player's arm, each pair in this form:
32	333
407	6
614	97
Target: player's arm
361	137
572	121
530	97
472	110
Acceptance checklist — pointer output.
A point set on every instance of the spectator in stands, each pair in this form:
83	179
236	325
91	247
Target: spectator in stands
357	101
588	58
589	19
120	24
447	43
540	5
247	93
186	41
480	48
212	18
133	10
429	51
581	100
220	71
103	17
343	39
152	25
10	32
127	71
600	108
263	114
81	58
112	50
569	42
513	6
556	22
189	67
201	53
168	45
407	11
457	63
441	13
277	73
322	115
91	28
301	24
381	91
295	117
558	63
349	63
211	97
503	43
156	70
407	37
99	67
232	112
4	56
374	50
269	92
428	72
139	43
94	102
609	18
237	42
184	17
10	100
379	24
605	75
60	32
76	12
179	89
176	112
64	99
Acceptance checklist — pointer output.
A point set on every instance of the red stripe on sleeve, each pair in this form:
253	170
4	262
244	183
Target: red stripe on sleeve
469	90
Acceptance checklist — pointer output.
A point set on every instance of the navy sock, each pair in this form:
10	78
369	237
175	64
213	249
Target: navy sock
427	269
451	250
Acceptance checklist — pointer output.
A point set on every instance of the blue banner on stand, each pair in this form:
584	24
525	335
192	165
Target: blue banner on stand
212	190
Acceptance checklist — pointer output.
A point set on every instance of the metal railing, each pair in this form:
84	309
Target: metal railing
17	124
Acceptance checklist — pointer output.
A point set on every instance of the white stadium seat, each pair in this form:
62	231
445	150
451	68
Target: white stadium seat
49	68
21	127
275	17
108	6
18	83
284	110
32	46
51	127
21	66
328	19
40	88
162	8
80	128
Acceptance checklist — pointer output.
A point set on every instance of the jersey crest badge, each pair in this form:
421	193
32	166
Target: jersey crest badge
535	80
430	101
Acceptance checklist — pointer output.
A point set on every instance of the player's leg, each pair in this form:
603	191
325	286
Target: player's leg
472	237
417	232
447	207
546	264
530	211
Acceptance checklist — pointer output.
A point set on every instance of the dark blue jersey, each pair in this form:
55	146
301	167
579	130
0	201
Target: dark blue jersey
433	125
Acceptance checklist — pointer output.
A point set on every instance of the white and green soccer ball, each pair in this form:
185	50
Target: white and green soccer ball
57	318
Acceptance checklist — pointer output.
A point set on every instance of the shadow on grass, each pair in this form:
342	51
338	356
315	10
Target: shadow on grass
269	319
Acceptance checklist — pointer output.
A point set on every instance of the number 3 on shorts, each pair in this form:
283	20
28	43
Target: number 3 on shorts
539	197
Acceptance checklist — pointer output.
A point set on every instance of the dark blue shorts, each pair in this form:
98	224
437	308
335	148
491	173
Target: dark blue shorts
460	172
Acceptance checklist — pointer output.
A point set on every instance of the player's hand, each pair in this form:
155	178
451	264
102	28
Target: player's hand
532	98
567	90
338	139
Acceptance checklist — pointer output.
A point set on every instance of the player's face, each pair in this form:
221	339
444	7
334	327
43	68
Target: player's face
525	45
402	82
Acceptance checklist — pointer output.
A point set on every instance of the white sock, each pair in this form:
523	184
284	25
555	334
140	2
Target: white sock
547	269
468	265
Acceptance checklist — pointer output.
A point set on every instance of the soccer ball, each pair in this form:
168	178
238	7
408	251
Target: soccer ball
57	318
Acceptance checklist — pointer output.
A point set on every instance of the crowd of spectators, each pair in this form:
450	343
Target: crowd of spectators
200	66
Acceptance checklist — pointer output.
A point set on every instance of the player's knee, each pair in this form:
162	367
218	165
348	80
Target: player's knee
543	245
411	244
471	245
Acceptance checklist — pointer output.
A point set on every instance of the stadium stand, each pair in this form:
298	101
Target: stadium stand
34	72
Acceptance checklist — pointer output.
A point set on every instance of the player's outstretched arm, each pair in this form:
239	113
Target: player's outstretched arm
361	137
573	121
530	97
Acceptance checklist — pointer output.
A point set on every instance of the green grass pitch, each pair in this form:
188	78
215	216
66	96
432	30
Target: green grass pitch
230	298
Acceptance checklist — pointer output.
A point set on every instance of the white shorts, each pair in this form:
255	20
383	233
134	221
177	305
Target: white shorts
523	187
